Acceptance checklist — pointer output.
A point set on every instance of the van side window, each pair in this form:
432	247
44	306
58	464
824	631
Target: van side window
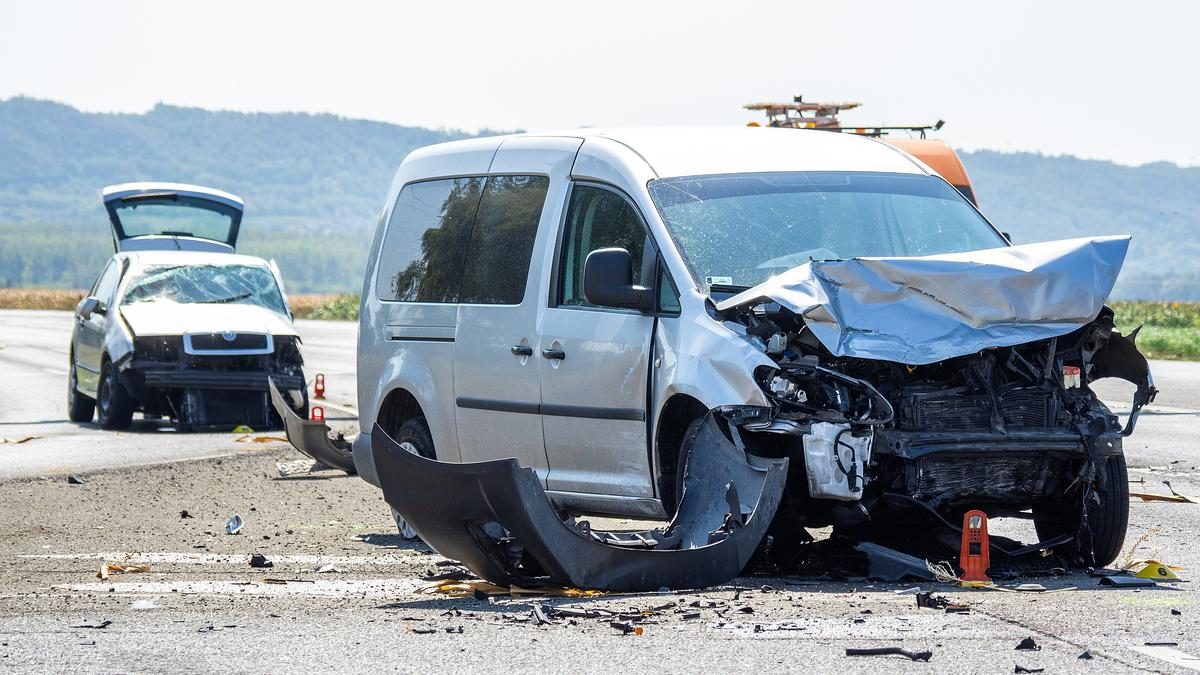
668	297
501	245
596	218
423	252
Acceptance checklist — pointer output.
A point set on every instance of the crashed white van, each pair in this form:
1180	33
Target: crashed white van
733	329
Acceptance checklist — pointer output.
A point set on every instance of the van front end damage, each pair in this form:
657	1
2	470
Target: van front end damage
495	518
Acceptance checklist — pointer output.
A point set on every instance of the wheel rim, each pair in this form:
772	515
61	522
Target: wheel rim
104	395
406	530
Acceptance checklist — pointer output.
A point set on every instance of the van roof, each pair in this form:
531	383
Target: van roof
696	151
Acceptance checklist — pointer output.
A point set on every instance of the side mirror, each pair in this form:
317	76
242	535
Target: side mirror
91	305
608	281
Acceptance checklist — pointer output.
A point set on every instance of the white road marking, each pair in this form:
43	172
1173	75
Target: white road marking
1170	655
376	588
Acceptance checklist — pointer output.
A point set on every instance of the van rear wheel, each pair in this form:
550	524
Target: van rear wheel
413	437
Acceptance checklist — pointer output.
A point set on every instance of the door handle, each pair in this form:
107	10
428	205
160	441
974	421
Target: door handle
554	354
521	350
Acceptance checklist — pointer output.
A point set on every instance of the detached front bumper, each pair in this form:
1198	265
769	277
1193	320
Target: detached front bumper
310	437
495	518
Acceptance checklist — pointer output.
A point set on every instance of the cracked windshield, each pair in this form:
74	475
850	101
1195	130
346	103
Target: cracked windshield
742	229
206	284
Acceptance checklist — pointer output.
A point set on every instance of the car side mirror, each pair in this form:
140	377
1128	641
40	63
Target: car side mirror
91	305
608	281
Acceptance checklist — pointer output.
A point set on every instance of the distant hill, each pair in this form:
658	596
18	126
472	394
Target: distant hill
313	185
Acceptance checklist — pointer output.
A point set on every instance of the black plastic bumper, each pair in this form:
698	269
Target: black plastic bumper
495	518
312	438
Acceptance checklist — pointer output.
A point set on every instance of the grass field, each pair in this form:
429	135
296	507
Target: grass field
1170	330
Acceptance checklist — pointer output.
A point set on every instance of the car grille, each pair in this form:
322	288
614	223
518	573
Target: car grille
998	477
227	343
1020	408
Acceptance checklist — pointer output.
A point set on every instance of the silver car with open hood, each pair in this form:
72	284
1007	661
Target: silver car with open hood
744	333
178	325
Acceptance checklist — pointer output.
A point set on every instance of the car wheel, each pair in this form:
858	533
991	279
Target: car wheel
80	408
414	437
114	405
1107	518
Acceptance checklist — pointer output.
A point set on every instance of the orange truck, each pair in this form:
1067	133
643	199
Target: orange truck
935	153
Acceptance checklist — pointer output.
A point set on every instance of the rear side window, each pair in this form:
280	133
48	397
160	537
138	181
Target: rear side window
501	245
106	283
424	250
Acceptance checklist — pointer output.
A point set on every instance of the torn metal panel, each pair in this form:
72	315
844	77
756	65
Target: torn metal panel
928	309
312	438
495	518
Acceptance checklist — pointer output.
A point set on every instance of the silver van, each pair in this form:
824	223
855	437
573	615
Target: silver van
731	329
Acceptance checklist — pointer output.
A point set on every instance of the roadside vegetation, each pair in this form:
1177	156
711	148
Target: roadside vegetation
1170	330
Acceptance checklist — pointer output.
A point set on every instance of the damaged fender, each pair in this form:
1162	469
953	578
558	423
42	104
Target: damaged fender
310	437
495	518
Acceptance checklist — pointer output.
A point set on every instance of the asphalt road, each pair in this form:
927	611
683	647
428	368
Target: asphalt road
201	607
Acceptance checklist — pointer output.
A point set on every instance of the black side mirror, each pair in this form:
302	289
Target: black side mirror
608	281
91	305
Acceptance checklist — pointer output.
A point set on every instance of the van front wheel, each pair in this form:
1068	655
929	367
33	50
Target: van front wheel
413	437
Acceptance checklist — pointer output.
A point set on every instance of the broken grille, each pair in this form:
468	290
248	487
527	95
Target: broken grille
1020	408
227	343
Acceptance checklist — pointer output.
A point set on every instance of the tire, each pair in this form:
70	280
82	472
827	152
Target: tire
1107	518
681	461
80	408
414	437
114	405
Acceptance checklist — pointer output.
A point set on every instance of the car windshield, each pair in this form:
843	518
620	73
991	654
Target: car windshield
206	284
742	229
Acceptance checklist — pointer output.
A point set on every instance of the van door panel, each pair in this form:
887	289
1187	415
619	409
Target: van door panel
496	381
594	401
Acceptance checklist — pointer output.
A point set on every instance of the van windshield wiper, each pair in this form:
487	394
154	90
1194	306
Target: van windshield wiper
232	298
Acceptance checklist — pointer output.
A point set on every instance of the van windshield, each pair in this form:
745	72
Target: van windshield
742	229
206	285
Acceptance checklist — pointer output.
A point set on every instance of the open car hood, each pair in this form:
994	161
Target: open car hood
928	309
172	216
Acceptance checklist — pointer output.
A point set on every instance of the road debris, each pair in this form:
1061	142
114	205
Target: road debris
184	514
259	560
250	438
18	441
1018	668
889	651
1174	497
108	568
234	524
1028	645
1124	581
329	568
96	626
75	480
145	604
1086	656
928	600
626	627
888	564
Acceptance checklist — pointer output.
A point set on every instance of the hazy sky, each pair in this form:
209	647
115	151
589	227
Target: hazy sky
1110	80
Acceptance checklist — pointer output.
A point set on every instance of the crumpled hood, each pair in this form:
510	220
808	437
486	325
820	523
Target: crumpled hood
168	318
923	310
